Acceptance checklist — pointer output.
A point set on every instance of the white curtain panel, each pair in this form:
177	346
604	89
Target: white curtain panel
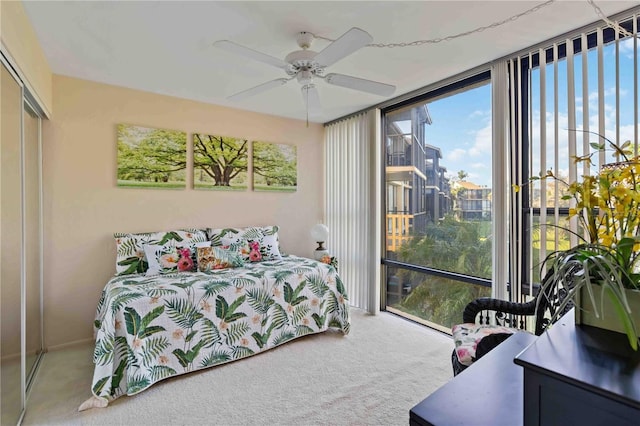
350	208
500	178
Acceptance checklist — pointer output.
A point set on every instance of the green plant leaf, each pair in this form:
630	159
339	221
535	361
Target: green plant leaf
159	372
117	377
150	330
210	333
623	315
146	320
183	313
214	358
132	320
97	388
319	320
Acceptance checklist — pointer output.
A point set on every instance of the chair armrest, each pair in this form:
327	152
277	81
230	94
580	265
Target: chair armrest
488	304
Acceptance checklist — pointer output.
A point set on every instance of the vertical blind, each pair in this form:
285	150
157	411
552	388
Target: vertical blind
561	98
350	211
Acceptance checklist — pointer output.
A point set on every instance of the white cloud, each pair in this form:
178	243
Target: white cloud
482	143
478	113
626	133
455	155
626	47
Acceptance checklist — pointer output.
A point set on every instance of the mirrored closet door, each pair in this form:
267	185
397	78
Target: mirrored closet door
20	247
11	235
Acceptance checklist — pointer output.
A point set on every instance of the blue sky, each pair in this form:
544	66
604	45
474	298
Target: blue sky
461	125
461	128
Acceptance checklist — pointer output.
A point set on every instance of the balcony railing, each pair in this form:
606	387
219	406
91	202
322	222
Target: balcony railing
398	230
399	160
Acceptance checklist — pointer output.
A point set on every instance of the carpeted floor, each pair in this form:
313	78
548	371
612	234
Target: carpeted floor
373	376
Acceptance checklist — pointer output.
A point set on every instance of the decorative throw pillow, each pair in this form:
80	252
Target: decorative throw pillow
130	256
211	258
254	244
169	259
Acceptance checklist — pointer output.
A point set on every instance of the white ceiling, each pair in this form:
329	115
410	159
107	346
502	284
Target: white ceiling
166	46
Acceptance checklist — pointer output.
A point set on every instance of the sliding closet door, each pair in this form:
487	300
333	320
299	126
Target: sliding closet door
11	390
33	242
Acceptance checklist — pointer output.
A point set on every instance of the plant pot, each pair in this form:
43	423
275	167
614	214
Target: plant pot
608	319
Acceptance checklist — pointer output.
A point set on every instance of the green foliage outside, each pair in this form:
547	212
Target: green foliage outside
557	238
275	167
151	157
451	245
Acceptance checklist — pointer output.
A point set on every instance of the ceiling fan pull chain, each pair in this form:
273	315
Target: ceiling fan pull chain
306	92
609	22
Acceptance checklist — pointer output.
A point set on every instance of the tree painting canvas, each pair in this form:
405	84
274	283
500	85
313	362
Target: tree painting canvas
220	162
151	158
275	167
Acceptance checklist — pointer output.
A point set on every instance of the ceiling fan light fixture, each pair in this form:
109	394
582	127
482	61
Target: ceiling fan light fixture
304	77
304	39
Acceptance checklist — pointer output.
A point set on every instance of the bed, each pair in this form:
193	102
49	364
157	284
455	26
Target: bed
149	328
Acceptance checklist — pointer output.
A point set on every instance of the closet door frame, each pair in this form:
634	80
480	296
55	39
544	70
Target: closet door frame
30	375
26	378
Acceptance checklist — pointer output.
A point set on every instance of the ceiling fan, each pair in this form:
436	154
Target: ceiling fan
306	66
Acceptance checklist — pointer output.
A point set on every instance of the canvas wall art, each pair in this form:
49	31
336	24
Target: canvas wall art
151	158
275	167
220	162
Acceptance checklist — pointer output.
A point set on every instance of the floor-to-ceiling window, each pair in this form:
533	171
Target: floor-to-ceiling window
572	92
437	211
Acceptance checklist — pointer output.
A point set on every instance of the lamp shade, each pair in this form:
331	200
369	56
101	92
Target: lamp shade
319	232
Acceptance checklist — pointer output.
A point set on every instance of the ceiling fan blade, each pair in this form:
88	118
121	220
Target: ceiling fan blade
348	43
311	99
258	89
361	84
232	47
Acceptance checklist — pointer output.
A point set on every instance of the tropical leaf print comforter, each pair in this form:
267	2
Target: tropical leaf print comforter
151	328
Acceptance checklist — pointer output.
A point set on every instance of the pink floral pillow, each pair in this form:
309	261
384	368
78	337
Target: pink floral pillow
169	259
254	251
254	244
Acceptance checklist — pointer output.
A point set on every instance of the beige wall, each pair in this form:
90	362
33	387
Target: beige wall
83	207
20	41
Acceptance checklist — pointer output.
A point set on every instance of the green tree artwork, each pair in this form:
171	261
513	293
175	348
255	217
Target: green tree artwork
275	167
220	162
151	158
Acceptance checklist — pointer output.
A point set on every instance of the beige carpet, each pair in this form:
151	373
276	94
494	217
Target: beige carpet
373	376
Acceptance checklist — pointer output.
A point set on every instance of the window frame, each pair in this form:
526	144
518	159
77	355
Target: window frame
482	77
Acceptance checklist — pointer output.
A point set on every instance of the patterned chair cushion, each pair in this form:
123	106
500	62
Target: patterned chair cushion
467	336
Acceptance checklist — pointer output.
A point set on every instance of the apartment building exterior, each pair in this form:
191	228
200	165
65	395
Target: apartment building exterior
417	190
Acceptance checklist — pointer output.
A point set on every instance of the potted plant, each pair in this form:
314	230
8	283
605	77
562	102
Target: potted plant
603	272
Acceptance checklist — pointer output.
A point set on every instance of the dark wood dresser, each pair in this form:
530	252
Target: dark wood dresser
489	392
580	375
